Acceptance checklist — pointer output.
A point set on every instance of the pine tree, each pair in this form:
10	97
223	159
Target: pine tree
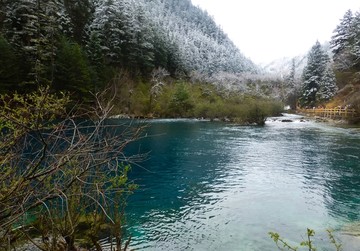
95	56
73	72
138	40
145	40
292	87
9	67
355	40
328	87
138	35
341	39
288	85
22	31
313	74
66	26
160	48
108	27
3	4
291	77
32	28
80	14
346	43
202	45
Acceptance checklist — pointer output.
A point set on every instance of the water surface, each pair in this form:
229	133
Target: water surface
217	186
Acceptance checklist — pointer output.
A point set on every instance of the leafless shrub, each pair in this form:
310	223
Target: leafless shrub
62	179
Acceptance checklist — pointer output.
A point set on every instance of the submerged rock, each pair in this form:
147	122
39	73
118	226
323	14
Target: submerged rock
287	120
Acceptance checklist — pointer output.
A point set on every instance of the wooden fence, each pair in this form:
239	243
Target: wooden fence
336	113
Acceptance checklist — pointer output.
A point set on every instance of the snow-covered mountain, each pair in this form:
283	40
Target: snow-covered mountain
281	67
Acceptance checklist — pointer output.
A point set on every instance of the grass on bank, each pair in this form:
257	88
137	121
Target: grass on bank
180	99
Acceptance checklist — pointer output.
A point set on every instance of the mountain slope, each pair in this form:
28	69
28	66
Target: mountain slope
78	45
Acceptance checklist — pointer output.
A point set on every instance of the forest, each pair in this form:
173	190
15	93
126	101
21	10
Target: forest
152	50
65	68
62	166
149	51
345	45
99	37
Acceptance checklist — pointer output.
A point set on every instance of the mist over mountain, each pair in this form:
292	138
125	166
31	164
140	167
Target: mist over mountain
282	66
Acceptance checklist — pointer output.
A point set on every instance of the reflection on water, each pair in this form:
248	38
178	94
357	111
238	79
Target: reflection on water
211	186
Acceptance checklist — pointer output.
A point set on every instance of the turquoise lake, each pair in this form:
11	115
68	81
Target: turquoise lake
217	186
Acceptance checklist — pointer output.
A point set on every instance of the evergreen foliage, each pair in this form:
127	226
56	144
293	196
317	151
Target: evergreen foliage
73	73
82	46
345	43
138	36
180	102
168	98
341	38
80	14
318	78
9	71
328	87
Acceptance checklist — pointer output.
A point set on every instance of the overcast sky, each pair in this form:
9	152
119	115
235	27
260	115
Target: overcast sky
265	30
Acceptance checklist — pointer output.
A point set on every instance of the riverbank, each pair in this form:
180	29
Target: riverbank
256	120
181	99
334	121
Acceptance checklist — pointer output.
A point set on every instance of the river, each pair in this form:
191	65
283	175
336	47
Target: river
217	186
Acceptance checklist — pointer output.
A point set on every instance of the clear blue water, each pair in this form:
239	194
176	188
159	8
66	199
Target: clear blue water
217	186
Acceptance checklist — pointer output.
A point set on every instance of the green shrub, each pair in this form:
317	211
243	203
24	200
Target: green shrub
308	243
182	99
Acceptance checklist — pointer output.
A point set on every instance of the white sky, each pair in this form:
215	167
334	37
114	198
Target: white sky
265	30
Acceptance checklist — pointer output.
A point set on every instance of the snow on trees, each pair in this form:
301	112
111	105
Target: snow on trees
327	87
203	46
345	42
340	39
107	27
318	78
136	35
355	35
31	28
